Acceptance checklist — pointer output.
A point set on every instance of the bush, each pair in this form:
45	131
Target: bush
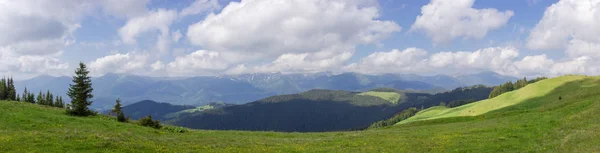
174	129
147	121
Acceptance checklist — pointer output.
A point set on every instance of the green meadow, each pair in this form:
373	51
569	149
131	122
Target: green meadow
531	119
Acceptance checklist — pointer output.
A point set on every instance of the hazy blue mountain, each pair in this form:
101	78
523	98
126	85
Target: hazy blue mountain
485	78
245	88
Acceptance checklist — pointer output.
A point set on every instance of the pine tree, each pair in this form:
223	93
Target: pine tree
49	98
58	102
41	99
117	110
24	95
18	98
10	90
81	92
3	89
31	98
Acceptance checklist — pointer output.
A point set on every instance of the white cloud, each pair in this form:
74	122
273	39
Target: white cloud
395	61
444	20
42	65
157	66
415	60
296	26
579	65
578	48
297	63
34	34
200	62
119	63
159	20
567	19
200	6
290	36
39	27
534	65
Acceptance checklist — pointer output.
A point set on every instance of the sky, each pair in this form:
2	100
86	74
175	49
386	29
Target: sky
186	38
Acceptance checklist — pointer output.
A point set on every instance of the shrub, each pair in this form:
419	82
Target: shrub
147	121
174	129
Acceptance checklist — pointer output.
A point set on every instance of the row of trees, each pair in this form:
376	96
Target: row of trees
405	114
8	92
510	86
7	89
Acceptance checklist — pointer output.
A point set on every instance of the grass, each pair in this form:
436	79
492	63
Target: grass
538	123
392	97
539	89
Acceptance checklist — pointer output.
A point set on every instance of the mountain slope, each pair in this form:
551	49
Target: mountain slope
539	89
540	124
311	111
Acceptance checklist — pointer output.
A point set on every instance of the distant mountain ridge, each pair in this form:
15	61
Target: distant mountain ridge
239	89
316	110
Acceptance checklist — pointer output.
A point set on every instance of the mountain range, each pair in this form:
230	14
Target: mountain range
239	89
316	110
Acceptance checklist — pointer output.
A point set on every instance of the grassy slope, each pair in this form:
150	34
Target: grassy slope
392	97
541	124
508	99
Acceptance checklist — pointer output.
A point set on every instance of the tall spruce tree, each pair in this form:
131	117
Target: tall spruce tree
11	91
81	92
3	89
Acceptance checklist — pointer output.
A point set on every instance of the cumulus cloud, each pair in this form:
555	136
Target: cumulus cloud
395	61
119	63
201	62
309	31
444	20
415	60
157	66
564	21
535	65
34	34
159	20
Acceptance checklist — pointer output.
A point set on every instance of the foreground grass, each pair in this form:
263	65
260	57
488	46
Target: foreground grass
538	124
392	97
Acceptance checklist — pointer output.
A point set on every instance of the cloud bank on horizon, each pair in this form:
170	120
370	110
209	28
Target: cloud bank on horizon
215	37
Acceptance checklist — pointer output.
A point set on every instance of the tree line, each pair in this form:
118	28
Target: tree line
510	86
8	92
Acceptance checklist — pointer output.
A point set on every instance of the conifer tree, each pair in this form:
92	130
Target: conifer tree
58	102
18	98
31	98
117	110
3	89
41	99
49	98
81	92
10	90
24	95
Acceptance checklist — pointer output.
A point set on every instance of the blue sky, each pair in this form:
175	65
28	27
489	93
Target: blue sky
218	37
